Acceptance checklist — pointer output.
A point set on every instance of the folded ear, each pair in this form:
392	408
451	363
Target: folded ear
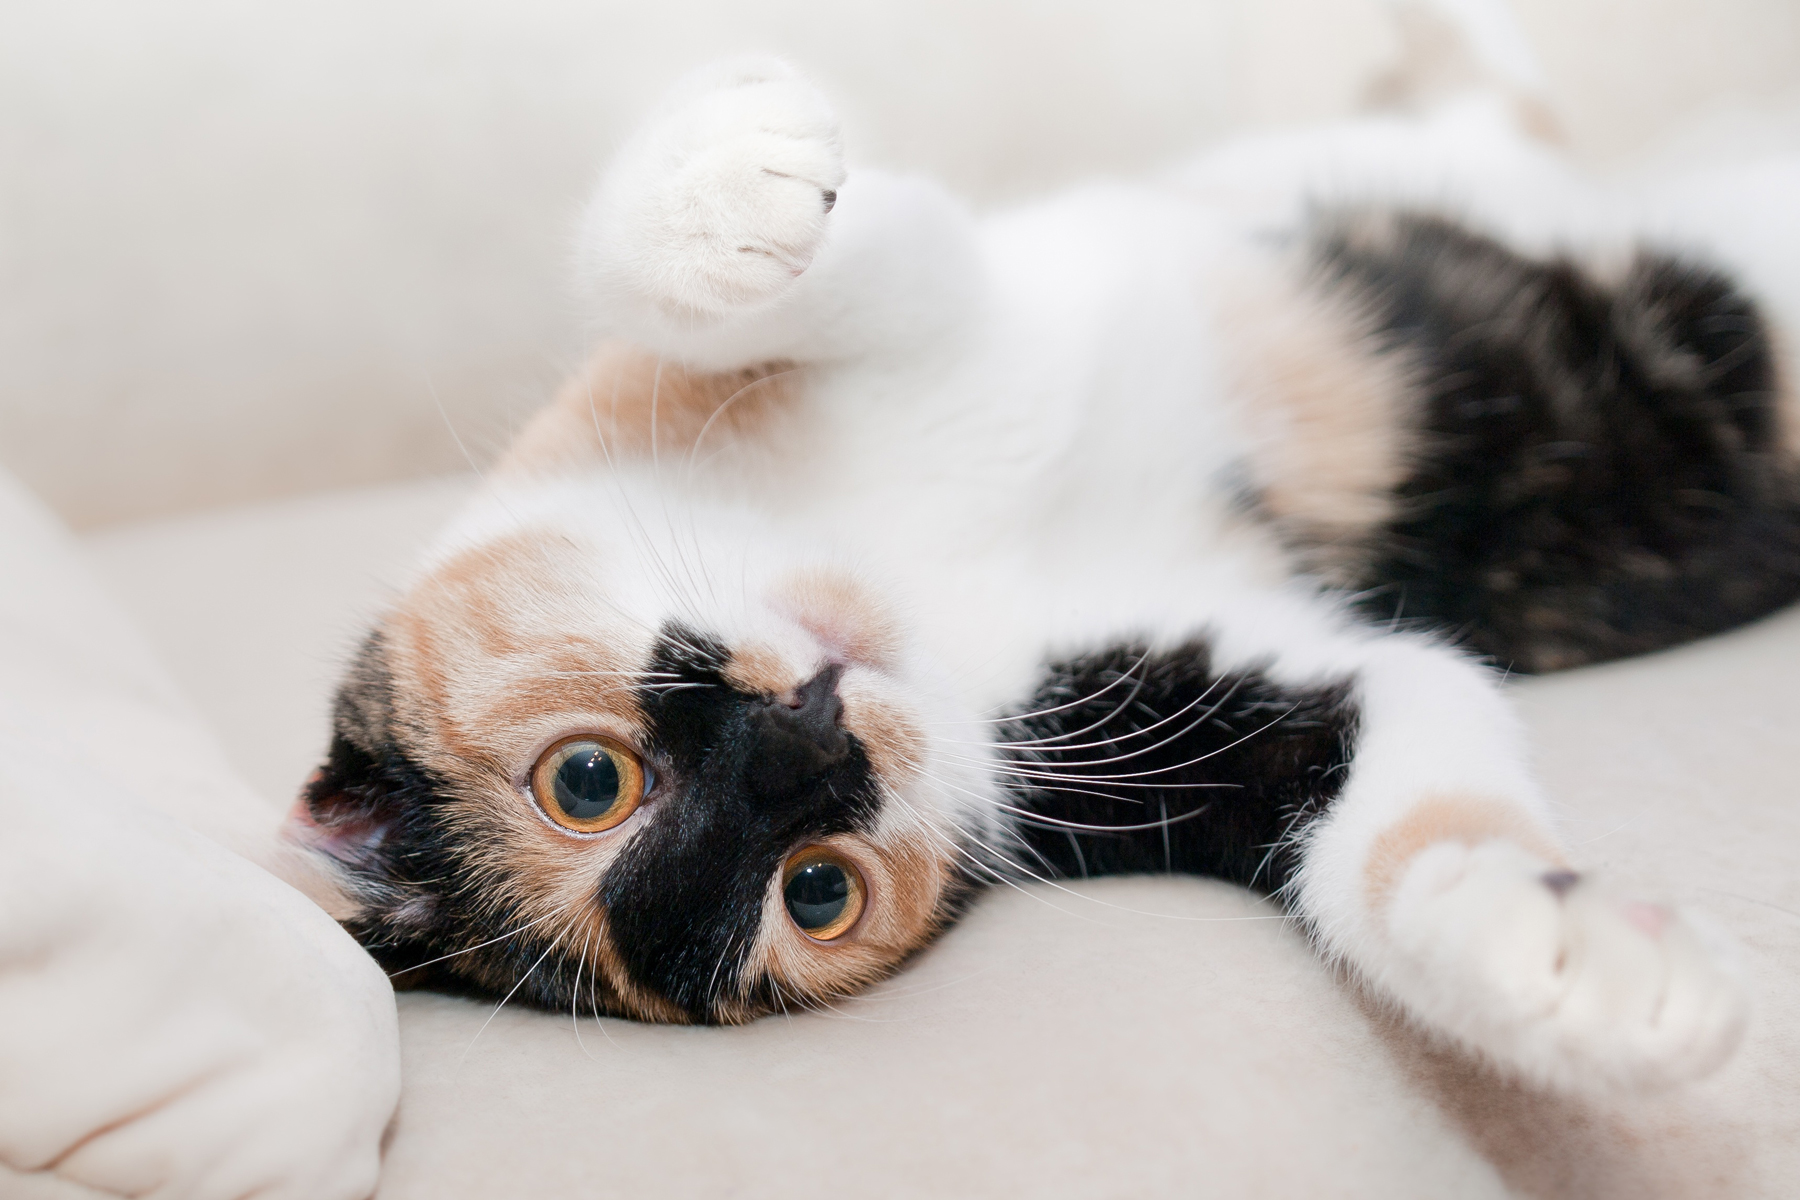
341	826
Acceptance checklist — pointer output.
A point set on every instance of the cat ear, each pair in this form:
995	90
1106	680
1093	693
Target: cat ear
344	815
350	807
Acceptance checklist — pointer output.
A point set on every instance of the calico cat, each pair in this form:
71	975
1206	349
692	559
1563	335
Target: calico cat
883	553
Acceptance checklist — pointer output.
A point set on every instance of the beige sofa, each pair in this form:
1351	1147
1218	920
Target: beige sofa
274	276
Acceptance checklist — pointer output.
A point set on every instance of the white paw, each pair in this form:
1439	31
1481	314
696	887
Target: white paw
1555	977
723	200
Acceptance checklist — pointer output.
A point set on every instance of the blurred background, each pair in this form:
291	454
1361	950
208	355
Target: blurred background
255	250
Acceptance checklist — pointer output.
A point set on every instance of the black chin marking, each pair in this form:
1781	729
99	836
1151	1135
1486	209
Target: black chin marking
1599	471
1144	762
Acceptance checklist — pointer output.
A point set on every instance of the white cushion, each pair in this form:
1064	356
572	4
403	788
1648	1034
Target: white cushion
175	1022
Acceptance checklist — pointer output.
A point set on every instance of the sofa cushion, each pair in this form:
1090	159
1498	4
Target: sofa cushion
174	1020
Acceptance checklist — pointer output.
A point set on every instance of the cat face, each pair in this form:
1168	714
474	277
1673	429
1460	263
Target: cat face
668	768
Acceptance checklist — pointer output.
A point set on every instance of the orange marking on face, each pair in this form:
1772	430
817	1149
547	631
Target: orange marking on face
843	614
760	670
889	735
493	656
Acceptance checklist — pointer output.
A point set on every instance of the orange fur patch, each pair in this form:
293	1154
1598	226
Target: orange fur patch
1470	820
760	670
486	673
844	614
1328	409
893	741
629	403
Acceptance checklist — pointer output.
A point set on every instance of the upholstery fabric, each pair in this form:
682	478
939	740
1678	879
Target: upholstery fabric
175	1022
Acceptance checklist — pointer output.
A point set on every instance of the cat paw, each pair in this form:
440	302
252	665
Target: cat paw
723	200
1556	977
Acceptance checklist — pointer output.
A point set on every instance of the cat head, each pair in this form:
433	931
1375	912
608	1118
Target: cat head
604	754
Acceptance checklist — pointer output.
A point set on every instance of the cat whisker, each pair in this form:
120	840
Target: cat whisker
1030	776
470	950
1058	823
575	992
641	535
509	995
1051	883
1058	743
729	401
1044	712
1214	753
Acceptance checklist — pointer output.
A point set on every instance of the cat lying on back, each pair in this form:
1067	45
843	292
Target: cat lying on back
882	553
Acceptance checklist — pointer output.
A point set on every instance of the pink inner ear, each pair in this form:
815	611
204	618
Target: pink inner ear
349	841
300	816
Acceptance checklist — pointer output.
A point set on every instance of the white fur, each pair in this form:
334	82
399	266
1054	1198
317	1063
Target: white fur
1015	430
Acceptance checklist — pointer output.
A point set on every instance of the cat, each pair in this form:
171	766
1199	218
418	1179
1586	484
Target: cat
883	553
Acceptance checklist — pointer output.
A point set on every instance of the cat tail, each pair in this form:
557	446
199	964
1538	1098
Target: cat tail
1451	47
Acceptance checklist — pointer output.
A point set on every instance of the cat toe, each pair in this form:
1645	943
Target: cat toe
725	199
1651	1000
1556	977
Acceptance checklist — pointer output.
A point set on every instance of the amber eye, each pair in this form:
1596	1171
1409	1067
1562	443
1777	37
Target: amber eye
824	892
588	783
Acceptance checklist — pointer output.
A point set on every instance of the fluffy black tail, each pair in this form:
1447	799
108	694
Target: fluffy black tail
1600	467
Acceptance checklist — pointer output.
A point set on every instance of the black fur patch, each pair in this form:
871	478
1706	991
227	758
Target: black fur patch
1600	471
752	785
1130	762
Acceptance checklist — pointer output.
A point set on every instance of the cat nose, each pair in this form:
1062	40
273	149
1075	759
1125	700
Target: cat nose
799	738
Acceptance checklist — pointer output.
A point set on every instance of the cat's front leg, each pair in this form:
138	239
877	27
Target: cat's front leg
727	233
720	203
1436	876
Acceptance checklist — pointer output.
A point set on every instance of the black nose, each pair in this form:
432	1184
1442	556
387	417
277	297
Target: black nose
797	741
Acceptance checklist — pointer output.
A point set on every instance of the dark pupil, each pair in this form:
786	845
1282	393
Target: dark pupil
587	785
817	893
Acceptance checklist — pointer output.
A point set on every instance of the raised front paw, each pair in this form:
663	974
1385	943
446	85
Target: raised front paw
1557	977
722	201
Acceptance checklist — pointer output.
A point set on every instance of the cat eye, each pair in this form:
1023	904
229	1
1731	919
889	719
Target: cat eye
588	784
823	891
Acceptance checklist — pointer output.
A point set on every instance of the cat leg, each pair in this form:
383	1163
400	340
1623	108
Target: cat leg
1379	784
727	234
1436	876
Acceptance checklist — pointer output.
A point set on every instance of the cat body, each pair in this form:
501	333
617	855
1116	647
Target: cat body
884	553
